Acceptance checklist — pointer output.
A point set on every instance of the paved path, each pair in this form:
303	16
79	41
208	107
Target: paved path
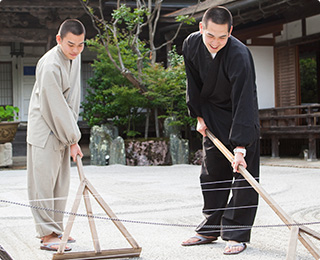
165	194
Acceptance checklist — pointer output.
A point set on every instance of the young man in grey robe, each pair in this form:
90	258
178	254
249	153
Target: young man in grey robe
53	133
221	94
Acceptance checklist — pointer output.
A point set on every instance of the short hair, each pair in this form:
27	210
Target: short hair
218	15
71	25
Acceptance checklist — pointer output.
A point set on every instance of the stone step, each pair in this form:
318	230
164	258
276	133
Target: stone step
19	144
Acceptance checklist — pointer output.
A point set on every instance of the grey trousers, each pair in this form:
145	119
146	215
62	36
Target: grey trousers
48	184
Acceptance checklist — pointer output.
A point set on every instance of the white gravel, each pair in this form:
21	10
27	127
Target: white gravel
164	194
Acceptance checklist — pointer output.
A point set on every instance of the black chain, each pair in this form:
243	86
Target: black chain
155	223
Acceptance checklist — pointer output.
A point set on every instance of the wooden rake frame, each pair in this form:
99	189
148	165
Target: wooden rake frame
297	231
84	188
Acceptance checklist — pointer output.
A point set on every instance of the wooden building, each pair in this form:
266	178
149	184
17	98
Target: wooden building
27	30
283	36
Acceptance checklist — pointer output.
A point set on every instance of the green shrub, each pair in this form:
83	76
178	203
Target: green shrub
8	113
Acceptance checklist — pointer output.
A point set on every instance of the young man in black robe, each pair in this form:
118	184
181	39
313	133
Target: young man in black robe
221	94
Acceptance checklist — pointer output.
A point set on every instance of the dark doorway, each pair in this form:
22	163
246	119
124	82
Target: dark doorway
309	63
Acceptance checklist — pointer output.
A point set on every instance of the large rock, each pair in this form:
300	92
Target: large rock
101	141
197	157
171	128
117	151
5	154
179	150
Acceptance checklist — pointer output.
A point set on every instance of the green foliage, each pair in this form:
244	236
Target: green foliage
124	66
127	106
97	109
186	19
308	75
131	18
167	88
9	113
111	96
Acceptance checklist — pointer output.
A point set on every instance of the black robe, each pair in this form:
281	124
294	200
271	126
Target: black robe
222	90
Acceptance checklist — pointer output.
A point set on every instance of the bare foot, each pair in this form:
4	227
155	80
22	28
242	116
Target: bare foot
70	239
53	240
234	247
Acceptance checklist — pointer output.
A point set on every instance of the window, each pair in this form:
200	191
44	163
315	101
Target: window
286	76
6	88
86	73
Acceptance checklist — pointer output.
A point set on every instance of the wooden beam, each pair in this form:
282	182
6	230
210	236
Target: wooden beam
261	42
302	40
260	30
292	248
18	5
312	148
104	254
201	7
25	35
274	147
309	245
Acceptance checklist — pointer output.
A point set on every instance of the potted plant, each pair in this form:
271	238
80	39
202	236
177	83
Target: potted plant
8	127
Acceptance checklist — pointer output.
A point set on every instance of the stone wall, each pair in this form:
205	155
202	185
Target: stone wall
147	152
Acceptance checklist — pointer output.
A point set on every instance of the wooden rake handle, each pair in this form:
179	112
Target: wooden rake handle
249	178
80	168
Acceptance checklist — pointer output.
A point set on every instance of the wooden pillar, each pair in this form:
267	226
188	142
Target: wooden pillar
274	147
49	42
312	148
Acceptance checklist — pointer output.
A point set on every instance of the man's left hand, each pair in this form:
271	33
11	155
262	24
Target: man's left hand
238	159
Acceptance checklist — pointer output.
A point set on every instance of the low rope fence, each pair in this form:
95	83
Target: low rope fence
157	223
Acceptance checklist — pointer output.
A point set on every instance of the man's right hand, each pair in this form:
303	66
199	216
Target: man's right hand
201	126
74	151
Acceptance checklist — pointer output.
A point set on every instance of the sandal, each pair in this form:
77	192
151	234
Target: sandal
201	240
49	247
70	239
230	245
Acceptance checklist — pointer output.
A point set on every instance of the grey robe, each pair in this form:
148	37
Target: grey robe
55	100
52	128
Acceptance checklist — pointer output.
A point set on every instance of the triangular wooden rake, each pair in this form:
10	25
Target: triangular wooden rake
297	231
84	188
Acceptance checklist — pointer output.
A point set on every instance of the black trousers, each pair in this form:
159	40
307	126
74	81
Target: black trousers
229	200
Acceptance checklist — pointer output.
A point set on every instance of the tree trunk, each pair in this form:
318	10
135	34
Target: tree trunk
135	82
146	129
156	121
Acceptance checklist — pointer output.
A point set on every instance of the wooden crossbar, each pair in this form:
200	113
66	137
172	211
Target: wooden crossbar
297	231
84	188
